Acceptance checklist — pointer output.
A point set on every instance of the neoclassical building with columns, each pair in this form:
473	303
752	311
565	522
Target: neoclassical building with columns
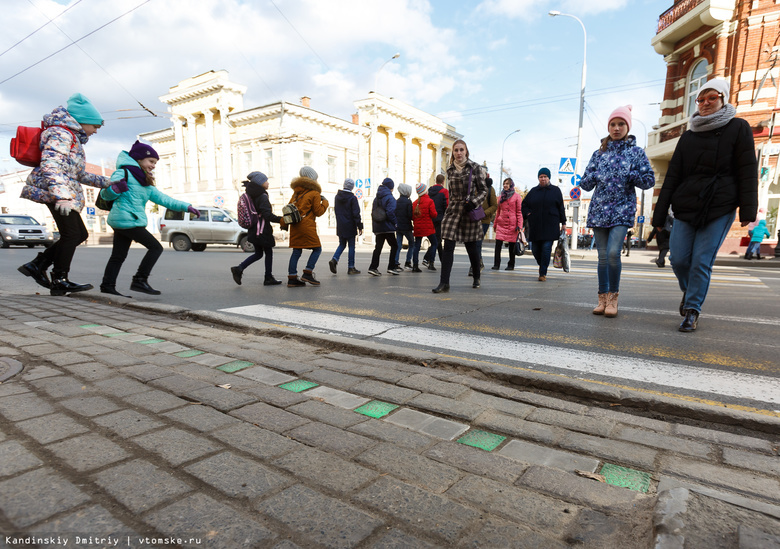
214	142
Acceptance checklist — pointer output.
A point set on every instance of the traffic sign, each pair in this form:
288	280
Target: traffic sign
575	180
90	210
219	201
358	183
575	193
358	193
640	219
368	182
567	166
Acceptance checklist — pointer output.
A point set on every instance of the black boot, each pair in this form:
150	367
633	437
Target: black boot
441	288
141	284
271	281
111	289
60	285
690	321
308	276
37	270
237	273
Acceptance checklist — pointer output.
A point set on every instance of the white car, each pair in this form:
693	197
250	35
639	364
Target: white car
23	230
214	226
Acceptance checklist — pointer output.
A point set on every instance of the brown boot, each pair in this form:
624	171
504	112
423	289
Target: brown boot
599	310
611	309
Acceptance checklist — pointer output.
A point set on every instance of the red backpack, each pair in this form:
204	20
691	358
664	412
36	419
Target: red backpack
26	146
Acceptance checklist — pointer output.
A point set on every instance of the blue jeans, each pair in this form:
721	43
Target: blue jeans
753	248
692	253
292	269
343	243
434	241
609	243
542	250
409	235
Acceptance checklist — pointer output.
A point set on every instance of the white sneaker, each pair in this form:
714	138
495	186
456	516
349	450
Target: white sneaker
374	272
394	271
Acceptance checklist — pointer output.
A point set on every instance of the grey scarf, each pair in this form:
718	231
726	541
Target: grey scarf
699	123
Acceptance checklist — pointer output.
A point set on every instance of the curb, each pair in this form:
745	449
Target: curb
602	394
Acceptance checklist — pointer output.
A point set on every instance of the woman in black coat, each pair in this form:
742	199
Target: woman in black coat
263	237
543	212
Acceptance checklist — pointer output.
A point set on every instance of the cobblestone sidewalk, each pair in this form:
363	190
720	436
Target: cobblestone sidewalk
126	427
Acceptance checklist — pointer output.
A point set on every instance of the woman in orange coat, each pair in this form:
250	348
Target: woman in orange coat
308	199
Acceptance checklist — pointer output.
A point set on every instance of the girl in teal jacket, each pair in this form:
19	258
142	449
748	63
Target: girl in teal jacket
759	232
133	187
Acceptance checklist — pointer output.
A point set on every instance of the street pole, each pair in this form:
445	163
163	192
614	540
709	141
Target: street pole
374	123
576	209
501	171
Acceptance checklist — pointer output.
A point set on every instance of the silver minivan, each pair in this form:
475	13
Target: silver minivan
214	226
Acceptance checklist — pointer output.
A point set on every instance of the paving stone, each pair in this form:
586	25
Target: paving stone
428	384
331	439
139	485
476	461
176	446
280	398
418	509
39	372
128	423
511	425
490	402
656	440
23	406
631	419
334	379
332	415
42	349
427	424
398	539
269	417
720	437
496	532
212	360
10	388
46	429
624	453
336	397
61	386
238	477
322	519
117	359
201	418
37	495
146	372
212	524
256	441
167	347
15	458
221	398
93	521
745	482
213	376
572	422
90	371
155	401
325	469
542	455
583	491
163	360
544	401
524	506
88	452
410	467
753	538
394	434
751	460
90	406
384	391
265	375
121	386
179	384
67	357
446	406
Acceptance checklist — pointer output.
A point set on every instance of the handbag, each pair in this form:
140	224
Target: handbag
521	245
744	241
478	213
561	254
291	213
378	213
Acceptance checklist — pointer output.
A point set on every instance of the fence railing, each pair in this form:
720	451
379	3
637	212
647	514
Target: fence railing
675	12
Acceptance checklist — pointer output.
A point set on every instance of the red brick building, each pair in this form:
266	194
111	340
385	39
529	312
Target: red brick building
738	40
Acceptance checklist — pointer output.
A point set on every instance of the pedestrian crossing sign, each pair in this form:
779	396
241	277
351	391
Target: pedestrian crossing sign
567	166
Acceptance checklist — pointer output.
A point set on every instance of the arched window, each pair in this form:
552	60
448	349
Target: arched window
696	80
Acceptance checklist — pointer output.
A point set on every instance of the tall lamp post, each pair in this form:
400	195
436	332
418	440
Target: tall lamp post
576	209
501	171
375	122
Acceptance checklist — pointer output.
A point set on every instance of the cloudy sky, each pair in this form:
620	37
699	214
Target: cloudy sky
487	67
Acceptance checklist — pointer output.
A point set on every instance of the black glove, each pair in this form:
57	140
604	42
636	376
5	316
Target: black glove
469	207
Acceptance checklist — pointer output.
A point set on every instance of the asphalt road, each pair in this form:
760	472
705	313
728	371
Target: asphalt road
512	319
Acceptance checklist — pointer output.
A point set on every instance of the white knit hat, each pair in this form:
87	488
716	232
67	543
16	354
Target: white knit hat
308	172
719	85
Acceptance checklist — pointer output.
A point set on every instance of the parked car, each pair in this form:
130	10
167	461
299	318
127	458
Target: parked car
214	226
23	230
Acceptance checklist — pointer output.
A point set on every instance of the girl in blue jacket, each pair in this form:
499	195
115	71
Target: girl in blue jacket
615	171
133	187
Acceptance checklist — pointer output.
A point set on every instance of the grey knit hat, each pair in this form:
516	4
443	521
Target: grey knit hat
257	177
308	172
405	189
349	184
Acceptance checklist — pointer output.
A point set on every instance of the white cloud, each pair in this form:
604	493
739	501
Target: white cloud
532	9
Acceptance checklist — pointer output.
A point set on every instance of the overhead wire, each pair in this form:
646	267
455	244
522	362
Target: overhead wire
77	2
300	35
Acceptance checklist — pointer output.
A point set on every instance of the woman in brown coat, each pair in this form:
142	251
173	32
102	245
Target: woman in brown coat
307	198
457	225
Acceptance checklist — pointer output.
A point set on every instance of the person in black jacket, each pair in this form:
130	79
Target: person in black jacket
348	225
404	227
263	237
543	211
662	239
713	172
441	199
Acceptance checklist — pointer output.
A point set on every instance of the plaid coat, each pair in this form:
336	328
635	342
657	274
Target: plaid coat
456	224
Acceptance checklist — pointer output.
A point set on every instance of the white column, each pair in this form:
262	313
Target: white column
437	167
211	168
425	158
192	154
181	161
408	175
227	164
390	155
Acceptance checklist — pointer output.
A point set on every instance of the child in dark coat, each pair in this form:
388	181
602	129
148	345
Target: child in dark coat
348	226
404	229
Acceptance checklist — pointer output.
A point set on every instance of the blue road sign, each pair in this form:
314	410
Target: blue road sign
575	180
640	219
368	182
575	193
358	183
90	210
568	166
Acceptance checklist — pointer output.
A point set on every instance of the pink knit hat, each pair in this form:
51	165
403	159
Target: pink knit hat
621	112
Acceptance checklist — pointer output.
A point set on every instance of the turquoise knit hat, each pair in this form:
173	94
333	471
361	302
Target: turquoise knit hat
80	108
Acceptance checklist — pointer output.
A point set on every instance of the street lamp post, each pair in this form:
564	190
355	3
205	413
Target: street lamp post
576	209
374	123
501	171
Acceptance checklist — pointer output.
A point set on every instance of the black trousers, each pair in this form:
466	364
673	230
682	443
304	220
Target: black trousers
430	255
72	233
448	257
122	240
497	259
257	256
381	238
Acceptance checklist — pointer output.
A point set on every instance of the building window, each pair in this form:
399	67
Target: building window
308	158
352	170
697	79
269	162
332	169
246	163
90	194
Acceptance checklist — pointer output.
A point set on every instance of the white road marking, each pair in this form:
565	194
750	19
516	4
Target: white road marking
577	362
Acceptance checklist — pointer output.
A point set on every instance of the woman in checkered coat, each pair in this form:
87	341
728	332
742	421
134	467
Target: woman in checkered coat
457	226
